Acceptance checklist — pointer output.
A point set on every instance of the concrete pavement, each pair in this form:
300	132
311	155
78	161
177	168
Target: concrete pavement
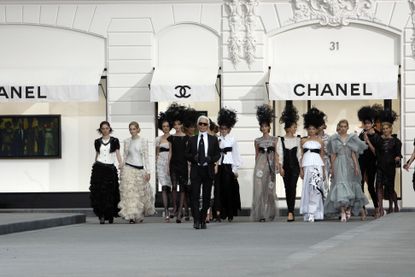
384	247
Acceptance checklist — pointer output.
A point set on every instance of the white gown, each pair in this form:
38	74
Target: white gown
313	186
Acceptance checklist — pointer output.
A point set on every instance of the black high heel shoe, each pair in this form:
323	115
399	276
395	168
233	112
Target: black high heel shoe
173	213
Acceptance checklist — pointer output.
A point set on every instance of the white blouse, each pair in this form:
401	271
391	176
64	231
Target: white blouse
233	157
136	152
104	155
290	143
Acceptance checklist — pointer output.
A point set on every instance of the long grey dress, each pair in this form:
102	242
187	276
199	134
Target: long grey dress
346	189
264	194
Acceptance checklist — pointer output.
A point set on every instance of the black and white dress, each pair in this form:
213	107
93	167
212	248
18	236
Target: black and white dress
163	164
227	197
289	152
104	187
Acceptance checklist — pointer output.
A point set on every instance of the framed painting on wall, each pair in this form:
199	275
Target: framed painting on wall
30	136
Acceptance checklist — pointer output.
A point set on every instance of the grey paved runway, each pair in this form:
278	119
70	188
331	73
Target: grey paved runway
384	247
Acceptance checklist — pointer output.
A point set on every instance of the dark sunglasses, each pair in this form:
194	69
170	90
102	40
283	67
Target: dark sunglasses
203	124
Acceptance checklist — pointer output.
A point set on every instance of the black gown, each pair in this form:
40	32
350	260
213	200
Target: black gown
178	162
387	150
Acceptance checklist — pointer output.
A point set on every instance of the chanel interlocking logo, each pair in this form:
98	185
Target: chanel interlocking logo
182	91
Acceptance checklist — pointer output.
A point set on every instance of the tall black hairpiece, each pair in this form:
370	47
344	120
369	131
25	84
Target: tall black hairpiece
190	117
366	113
377	111
227	117
289	116
314	117
175	112
161	119
265	114
389	116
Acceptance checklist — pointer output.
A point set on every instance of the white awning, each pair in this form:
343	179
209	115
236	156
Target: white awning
191	84
333	82
49	84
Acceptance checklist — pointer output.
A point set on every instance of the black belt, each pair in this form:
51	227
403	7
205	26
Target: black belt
312	150
266	149
135	166
226	150
163	149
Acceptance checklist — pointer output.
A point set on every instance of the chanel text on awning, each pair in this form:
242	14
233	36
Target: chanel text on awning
21	92
346	89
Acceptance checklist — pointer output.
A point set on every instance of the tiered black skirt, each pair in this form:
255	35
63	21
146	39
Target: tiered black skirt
105	193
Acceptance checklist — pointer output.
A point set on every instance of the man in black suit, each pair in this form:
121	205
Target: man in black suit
202	151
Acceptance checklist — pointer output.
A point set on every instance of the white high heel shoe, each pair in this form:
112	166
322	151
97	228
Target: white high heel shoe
311	218
343	217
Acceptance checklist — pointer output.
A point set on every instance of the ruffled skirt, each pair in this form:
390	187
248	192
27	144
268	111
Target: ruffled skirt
104	190
137	199
346	189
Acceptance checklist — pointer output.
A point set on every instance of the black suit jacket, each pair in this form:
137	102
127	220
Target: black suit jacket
213	153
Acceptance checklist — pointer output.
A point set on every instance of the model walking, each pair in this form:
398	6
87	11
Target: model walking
163	162
312	168
264	207
345	194
367	160
137	199
104	187
388	154
178	163
226	182
289	153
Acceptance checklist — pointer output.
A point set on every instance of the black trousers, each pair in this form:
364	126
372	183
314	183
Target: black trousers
200	177
369	168
290	184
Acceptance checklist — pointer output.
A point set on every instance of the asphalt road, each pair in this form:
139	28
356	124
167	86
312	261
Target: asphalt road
384	247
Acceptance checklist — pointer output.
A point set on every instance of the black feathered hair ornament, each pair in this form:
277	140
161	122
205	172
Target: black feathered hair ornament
388	116
175	112
289	116
377	111
161	119
227	117
265	114
314	117
366	113
190	117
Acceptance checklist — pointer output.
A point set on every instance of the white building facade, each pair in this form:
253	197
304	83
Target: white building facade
245	39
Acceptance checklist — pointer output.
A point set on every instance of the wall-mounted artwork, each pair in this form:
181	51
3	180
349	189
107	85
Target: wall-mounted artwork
30	136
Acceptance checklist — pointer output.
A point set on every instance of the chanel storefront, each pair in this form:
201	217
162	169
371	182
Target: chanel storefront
88	61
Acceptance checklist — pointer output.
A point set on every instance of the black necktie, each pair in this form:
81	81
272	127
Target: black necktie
201	151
